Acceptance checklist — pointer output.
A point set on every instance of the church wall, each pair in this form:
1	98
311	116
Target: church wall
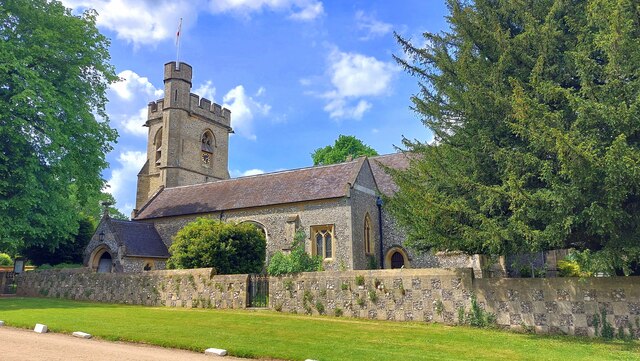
336	212
363	202
394	235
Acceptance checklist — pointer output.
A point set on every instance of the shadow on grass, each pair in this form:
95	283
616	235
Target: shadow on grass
34	303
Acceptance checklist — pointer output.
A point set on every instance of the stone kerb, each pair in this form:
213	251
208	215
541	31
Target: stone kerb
400	295
173	288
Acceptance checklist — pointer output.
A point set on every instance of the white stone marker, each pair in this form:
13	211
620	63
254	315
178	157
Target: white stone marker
40	328
81	334
215	351
1	323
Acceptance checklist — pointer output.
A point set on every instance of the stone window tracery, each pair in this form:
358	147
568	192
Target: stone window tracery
206	146
322	241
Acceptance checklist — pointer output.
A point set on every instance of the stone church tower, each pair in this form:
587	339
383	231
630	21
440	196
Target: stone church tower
188	140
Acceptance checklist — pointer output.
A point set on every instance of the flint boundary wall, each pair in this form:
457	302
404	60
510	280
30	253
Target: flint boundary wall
546	305
195	288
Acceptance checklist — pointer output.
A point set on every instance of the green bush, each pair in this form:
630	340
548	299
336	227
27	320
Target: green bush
568	268
295	262
230	248
5	260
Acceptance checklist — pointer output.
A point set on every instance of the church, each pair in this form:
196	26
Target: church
186	176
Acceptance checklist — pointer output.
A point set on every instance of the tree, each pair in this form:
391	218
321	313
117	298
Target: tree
298	260
230	248
344	147
534	107
54	71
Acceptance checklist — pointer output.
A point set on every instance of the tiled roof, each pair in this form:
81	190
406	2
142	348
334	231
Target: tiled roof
385	183
139	238
299	185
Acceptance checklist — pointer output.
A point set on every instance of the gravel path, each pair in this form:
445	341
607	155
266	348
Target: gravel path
19	344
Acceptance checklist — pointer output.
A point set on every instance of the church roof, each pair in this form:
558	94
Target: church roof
291	186
139	238
385	183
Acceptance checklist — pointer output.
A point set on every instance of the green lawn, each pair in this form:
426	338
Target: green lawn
297	337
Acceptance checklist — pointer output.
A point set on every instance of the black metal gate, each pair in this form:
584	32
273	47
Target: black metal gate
258	290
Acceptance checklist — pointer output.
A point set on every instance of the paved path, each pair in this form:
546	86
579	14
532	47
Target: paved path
25	345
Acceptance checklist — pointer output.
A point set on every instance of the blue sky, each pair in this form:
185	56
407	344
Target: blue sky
295	74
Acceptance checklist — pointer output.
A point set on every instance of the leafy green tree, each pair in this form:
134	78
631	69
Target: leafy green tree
535	111
296	261
230	248
344	147
69	250
54	71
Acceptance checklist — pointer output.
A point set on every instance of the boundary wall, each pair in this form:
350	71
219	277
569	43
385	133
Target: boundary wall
543	305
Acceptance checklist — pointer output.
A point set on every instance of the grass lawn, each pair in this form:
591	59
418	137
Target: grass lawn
296	337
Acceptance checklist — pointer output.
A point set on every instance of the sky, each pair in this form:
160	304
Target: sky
294	73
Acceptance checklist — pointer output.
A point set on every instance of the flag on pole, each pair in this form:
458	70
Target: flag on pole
178	32
178	44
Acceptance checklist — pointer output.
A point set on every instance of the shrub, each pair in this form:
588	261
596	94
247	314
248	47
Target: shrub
568	268
5	260
295	262
359	280
230	248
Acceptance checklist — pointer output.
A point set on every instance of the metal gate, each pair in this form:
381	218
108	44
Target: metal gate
258	290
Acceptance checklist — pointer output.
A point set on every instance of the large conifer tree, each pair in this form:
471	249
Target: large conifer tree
535	110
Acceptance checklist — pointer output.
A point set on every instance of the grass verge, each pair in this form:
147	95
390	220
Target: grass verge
266	334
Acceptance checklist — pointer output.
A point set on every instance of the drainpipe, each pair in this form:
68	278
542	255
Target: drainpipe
379	204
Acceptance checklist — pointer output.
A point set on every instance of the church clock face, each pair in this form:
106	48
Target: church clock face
206	158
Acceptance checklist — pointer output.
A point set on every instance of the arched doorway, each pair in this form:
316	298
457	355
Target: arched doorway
105	263
396	258
101	260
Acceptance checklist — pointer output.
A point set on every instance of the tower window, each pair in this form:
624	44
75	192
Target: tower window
206	146
207	142
157	143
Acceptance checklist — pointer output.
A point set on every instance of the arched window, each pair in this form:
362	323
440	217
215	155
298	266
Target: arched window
206	146
207	142
322	238
368	244
157	143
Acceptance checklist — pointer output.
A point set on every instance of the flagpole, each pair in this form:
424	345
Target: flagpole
178	44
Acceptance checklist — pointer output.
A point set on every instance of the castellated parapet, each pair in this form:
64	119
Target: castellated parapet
196	106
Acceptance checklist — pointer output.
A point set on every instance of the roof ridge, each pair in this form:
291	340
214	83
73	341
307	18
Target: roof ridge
353	162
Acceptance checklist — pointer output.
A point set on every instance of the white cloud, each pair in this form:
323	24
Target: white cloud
302	10
243	110
147	22
374	28
309	12
354	76
237	173
131	84
134	124
122	183
206	90
141	22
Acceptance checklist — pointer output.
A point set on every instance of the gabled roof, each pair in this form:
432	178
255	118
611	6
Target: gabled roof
139	238
298	185
385	183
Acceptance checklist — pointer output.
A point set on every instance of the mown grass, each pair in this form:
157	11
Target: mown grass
267	334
